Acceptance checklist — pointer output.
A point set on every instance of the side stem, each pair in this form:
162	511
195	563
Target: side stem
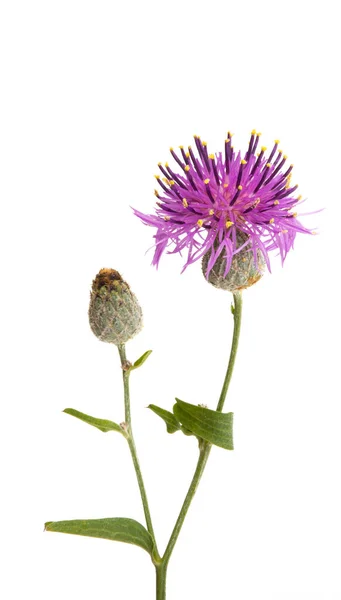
203	456
205	447
131	444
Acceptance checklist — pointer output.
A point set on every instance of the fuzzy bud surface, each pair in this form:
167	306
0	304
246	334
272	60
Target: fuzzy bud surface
114	313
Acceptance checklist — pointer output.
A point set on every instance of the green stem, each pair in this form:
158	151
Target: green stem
131	444
203	456
161	578
205	449
237	314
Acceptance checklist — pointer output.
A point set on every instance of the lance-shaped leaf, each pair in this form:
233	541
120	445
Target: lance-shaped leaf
102	424
140	361
172	423
212	426
117	529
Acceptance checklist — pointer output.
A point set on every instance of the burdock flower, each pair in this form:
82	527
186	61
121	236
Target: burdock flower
219	205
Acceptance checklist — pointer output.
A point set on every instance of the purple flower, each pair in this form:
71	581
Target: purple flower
213	198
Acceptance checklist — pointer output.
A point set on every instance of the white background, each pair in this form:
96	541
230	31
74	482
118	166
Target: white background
92	96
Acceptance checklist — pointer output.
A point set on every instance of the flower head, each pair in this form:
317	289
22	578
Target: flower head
212	198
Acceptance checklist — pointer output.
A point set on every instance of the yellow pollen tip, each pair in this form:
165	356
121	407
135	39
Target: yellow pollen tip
156	193
159	164
227	140
184	202
259	134
299	198
226	185
204	143
285	156
263	148
211	212
268	165
166	164
229	224
276	141
240	187
284	231
181	147
314	232
294	215
166	218
276	202
243	162
211	156
171	182
171	149
187	168
206	181
157	176
272	221
253	132
187	154
189	147
200	222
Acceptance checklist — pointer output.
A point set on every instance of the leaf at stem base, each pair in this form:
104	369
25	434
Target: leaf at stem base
210	425
116	529
172	423
102	424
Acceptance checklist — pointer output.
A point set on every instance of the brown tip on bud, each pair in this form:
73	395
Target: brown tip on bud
107	277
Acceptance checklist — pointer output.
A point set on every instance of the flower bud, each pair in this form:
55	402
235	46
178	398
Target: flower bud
243	271
115	315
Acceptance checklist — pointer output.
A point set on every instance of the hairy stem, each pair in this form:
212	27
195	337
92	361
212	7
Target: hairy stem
131	443
205	447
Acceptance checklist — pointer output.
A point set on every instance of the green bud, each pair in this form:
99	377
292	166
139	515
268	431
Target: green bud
243	272
115	315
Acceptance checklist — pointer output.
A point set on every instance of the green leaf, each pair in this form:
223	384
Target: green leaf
214	427
119	530
172	423
101	424
139	362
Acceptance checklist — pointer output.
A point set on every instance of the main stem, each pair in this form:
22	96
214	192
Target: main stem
237	314
161	579
205	449
131	443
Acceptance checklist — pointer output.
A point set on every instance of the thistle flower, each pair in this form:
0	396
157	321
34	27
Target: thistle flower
214	200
